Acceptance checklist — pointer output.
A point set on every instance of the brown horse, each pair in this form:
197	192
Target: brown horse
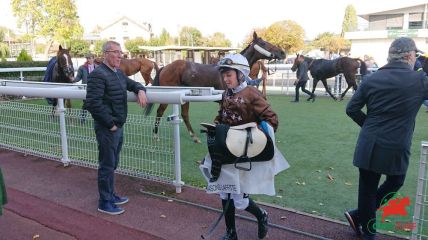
132	66
184	73
62	71
254	74
321	69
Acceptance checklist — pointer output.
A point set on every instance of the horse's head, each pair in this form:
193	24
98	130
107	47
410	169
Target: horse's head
65	65
261	49
297	62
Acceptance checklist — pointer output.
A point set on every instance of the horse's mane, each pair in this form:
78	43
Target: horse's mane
246	48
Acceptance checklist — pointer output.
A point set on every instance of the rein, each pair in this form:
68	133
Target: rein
310	64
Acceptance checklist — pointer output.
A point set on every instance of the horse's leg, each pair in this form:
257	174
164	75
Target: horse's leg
159	114
147	78
344	93
350	80
324	82
185	116
67	103
263	87
314	86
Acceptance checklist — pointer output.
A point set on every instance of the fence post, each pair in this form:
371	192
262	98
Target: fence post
64	146
419	205
176	121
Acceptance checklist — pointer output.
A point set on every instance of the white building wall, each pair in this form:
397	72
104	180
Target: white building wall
120	33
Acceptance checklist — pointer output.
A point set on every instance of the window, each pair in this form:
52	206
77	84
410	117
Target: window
394	21
124	24
415	20
112	38
386	22
125	38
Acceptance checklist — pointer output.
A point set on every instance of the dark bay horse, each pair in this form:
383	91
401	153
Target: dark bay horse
62	72
132	66
184	73
322	69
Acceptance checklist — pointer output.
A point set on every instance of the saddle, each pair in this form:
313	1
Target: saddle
237	144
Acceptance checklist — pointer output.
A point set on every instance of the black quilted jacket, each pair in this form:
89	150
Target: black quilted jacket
106	95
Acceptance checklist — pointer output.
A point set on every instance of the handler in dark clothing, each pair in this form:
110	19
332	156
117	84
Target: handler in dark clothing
392	96
106	100
302	78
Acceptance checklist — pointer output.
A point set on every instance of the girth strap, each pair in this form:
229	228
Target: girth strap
245	156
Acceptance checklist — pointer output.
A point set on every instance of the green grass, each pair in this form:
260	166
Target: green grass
317	139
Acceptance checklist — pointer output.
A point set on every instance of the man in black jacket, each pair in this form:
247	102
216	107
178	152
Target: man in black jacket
302	78
106	100
393	96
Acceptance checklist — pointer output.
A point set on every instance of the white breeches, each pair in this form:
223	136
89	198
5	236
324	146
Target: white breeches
240	200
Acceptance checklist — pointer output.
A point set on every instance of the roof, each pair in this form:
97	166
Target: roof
147	27
367	15
178	48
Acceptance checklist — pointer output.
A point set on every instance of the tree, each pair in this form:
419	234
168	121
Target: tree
217	40
330	42
98	47
165	38
4	51
24	56
190	36
286	34
349	20
132	45
79	47
56	20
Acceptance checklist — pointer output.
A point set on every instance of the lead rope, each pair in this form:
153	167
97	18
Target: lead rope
215	224
269	70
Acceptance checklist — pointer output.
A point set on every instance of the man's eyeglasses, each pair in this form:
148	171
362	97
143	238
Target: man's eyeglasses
117	52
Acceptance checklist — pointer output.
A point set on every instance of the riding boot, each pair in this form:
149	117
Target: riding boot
229	218
262	218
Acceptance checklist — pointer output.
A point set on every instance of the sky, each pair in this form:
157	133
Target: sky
234	18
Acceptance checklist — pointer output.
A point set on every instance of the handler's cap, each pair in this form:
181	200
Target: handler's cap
402	45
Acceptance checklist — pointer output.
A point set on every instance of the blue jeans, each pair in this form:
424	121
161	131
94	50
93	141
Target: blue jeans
109	146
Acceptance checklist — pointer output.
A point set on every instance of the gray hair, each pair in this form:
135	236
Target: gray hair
399	57
107	45
400	49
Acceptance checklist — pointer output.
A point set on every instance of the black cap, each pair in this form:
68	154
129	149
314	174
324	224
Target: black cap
402	45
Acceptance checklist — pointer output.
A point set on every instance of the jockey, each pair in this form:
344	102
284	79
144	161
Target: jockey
241	105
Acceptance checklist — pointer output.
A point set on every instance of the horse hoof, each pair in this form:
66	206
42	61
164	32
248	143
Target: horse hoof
196	140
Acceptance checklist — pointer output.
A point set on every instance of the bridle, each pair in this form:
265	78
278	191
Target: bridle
67	69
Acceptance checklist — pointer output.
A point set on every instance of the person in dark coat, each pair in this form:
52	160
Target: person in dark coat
392	96
302	78
106	100
82	74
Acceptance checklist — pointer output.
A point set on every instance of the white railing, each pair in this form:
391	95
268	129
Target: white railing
19	125
22	70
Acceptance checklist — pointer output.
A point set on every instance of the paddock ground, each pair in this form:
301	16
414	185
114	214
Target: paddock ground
48	201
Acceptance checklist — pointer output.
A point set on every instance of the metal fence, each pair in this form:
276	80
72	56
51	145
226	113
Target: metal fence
35	129
420	216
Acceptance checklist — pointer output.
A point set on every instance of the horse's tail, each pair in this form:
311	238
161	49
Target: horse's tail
156	82
363	67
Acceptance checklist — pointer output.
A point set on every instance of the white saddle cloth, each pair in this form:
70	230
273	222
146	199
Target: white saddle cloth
260	180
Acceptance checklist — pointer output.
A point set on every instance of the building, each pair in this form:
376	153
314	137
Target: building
121	30
383	27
